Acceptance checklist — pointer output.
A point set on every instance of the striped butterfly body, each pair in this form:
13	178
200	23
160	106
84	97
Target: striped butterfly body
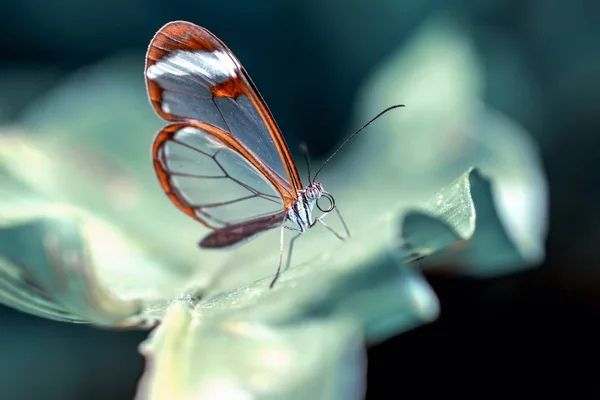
222	159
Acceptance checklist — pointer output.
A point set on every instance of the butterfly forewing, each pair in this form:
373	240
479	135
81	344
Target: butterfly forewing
209	180
191	74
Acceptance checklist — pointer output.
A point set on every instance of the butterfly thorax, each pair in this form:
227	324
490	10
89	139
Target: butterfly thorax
301	210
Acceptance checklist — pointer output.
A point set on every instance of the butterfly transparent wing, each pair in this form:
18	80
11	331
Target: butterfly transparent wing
211	181
192	75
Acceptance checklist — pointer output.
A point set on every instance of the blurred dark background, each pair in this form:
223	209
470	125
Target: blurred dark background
533	331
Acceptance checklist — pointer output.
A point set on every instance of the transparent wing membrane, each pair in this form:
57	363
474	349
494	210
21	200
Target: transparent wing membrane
211	181
192	75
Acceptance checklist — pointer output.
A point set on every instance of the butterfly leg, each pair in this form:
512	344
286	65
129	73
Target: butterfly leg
289	257
283	228
343	222
330	229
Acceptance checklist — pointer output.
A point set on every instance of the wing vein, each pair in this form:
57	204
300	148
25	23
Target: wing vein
187	175
224	203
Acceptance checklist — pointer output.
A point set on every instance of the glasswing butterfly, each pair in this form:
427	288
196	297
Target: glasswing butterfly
222	159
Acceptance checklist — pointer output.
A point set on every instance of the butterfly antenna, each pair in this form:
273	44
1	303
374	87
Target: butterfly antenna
304	150
356	133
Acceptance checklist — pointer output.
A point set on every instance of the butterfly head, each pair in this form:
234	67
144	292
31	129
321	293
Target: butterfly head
314	191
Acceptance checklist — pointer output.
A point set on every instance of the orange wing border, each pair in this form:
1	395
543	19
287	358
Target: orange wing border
167	133
183	35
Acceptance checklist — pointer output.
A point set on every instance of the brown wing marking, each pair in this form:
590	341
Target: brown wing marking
234	234
176	35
